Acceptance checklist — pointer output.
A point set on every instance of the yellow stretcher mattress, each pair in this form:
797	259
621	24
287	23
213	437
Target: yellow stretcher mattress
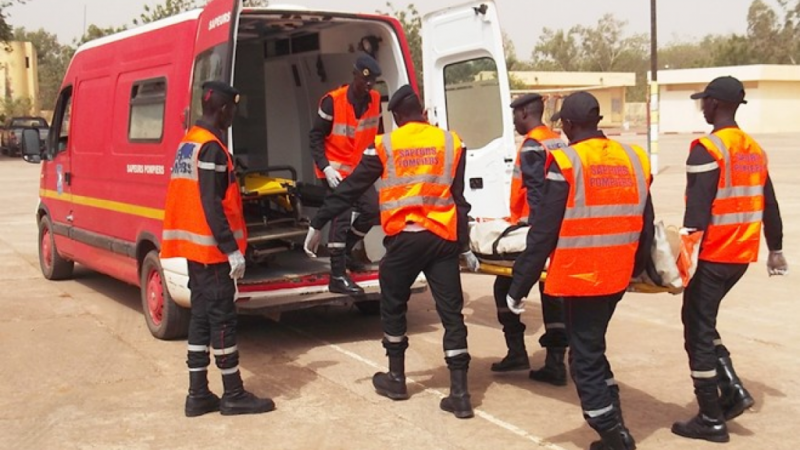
640	287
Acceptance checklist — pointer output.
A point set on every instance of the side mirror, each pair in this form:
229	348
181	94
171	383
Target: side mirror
31	145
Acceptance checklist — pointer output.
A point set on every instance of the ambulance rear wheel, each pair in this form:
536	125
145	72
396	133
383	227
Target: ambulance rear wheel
53	266
165	319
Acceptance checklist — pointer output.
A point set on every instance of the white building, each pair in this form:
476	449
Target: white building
772	94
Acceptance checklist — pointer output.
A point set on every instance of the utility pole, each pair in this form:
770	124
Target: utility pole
84	20
653	110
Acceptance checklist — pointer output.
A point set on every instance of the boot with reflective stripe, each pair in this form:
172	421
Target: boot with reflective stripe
392	384
554	370
734	398
517	357
611	440
200	399
458	402
340	282
236	400
709	423
627	437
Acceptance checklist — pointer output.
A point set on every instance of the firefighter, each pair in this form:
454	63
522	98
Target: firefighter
203	223
728	195
419	170
526	194
347	122
595	223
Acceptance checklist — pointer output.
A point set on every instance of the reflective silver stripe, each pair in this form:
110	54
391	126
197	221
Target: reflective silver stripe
532	148
737	218
598	240
198	369
602	211
339	166
599	412
555	176
211	166
452	353
703	168
230	371
197	348
717	342
199	239
555	326
553	144
394	339
226	351
371	151
740	191
611	382
358	233
343	130
704	374
336	245
368	123
413	228
418	200
324	115
726	157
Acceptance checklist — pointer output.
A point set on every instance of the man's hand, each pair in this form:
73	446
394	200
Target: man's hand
313	238
515	306
776	263
332	176
237	262
471	261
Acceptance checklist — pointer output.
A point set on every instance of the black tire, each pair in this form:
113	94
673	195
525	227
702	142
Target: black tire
370	307
164	318
53	266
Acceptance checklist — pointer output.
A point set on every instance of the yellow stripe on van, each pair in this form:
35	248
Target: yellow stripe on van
109	205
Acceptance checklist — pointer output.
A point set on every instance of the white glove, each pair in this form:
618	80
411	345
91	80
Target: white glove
332	176
776	263
313	238
516	306
471	261
237	262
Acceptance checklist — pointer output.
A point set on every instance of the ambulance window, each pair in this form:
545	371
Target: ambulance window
474	103
60	137
148	98
208	66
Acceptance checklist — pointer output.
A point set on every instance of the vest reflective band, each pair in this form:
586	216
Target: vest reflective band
518	203
419	164
186	232
349	136
597	243
734	234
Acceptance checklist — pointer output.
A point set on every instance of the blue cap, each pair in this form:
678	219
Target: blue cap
367	66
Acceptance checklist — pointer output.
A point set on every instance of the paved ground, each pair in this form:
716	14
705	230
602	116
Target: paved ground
80	370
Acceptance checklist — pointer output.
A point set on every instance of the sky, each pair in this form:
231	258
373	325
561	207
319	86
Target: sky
523	20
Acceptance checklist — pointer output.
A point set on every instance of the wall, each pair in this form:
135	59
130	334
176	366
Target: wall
19	74
779	106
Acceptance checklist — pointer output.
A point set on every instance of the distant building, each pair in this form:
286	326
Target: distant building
608	87
772	94
19	76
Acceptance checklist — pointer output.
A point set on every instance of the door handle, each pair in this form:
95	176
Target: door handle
68	178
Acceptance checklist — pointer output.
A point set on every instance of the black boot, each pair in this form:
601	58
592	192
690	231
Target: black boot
734	398
200	399
627	437
236	400
517	357
340	282
458	401
353	262
611	440
392	384
709	423
554	370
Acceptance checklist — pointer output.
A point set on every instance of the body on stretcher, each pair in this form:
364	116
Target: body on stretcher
497	243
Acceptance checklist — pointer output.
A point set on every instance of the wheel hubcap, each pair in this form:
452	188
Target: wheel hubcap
155	297
47	248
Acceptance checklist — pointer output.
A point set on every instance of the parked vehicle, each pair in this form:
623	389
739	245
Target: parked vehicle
127	100
11	132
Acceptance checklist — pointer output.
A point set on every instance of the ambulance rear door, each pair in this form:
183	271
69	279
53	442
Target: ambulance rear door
466	90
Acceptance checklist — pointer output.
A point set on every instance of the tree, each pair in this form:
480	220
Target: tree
52	59
94	32
6	31
411	22
171	7
557	50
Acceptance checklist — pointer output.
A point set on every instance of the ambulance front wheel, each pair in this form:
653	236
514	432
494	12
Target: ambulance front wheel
165	319
53	266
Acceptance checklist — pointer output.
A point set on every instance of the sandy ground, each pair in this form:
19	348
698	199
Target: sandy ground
80	369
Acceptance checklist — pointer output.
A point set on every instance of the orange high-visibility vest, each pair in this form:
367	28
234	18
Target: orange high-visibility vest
350	136
186	231
734	234
550	140
597	243
419	165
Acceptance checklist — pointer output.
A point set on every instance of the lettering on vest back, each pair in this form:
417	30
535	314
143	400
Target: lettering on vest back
606	176
415	157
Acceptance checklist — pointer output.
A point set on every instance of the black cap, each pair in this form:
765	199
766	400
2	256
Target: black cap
519	102
728	89
400	95
367	66
221	88
579	107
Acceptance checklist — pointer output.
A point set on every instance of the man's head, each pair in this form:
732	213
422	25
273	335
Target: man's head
365	72
580	111
405	106
721	98
528	111
219	101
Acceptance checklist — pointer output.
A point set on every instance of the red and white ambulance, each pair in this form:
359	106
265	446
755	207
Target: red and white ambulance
127	100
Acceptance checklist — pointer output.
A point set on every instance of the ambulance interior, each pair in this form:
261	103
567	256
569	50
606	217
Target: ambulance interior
285	62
